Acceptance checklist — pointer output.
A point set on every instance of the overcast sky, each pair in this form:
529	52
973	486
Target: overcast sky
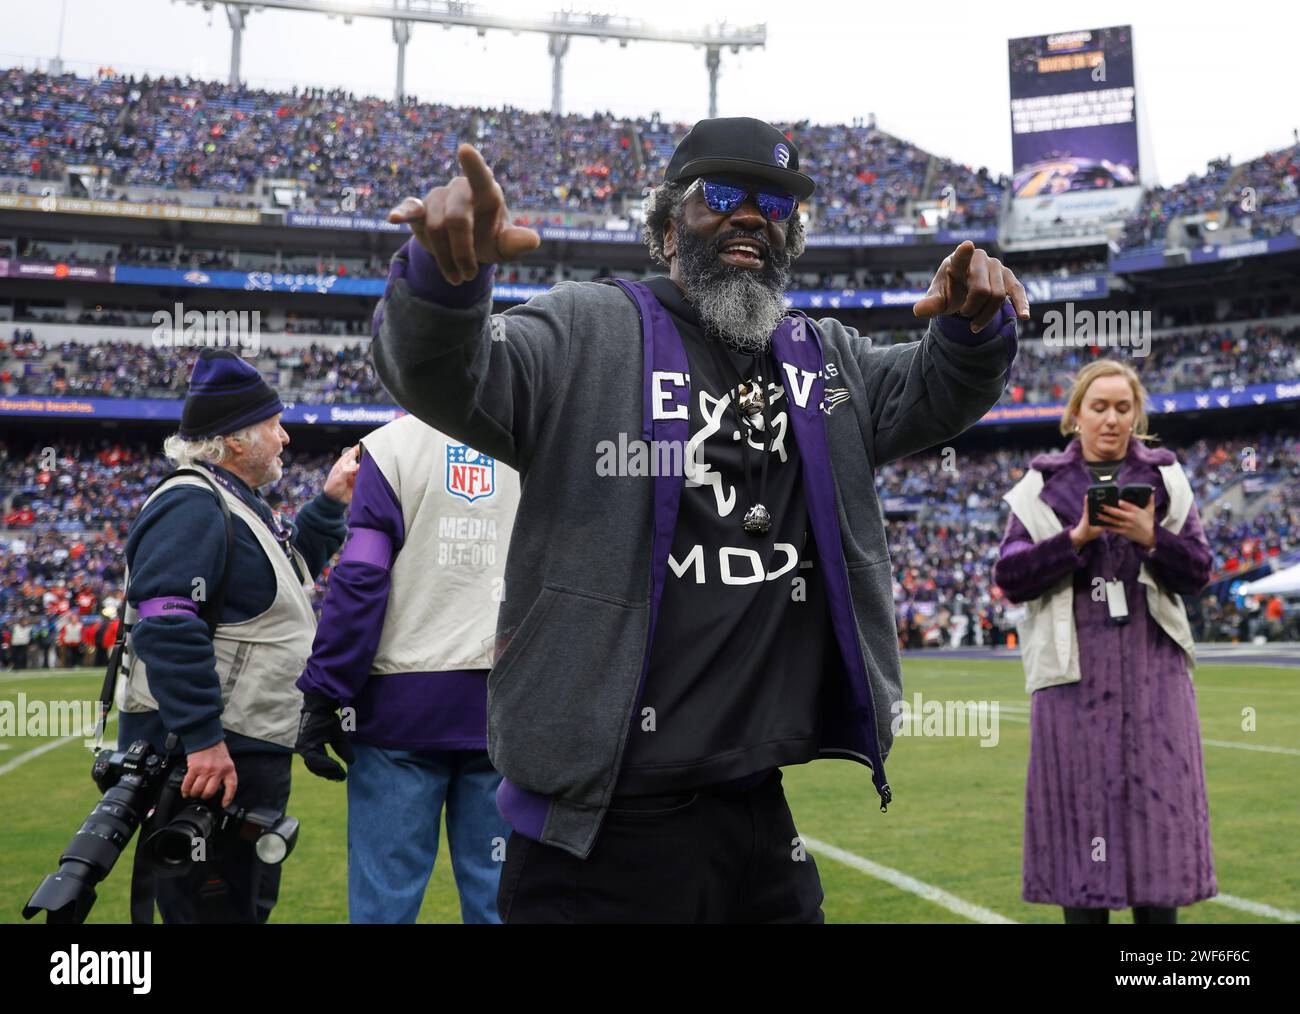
1213	79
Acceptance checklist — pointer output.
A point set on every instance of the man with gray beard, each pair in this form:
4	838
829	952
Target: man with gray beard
670	641
738	305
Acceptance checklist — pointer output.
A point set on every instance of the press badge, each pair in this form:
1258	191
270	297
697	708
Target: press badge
1116	602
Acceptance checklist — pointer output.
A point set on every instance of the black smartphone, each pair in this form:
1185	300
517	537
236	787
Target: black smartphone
1137	493
1099	495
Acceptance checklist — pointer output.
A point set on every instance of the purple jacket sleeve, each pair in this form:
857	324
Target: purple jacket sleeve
958	329
1026	569
1182	562
356	600
425	278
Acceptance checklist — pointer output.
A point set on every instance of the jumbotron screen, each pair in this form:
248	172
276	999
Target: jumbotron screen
1073	112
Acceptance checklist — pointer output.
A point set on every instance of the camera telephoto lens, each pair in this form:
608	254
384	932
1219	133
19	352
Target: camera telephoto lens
172	847
69	894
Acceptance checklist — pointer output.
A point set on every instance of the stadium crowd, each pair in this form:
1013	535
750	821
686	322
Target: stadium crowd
336	152
365	153
1224	355
1186	360
1263	194
68	508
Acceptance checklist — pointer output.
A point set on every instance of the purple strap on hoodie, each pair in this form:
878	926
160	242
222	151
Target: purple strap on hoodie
664	353
801	375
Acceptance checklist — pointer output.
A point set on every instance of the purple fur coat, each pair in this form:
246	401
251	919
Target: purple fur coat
1116	756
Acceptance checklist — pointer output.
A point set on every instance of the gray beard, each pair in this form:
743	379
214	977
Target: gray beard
740	306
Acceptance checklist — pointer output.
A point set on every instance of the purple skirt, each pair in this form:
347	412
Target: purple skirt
1115	808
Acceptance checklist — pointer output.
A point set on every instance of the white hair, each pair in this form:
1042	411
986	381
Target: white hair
183	452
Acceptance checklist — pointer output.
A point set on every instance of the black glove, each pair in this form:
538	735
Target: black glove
319	727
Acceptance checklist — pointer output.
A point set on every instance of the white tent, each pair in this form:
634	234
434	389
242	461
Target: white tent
1282	582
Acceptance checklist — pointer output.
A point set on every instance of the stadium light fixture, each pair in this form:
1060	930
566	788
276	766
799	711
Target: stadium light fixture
565	23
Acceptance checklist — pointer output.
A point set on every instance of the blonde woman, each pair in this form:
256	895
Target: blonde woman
1115	808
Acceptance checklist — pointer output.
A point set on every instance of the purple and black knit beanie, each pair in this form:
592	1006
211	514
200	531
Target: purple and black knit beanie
226	394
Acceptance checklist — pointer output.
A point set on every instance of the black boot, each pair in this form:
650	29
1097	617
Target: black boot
1153	915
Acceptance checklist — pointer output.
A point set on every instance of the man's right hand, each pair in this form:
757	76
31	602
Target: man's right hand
465	223
208	770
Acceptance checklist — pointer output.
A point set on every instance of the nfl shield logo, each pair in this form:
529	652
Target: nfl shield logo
470	475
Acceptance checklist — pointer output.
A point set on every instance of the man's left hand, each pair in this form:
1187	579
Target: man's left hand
343	476
971	283
320	726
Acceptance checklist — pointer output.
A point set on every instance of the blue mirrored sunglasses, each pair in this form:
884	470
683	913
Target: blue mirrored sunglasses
725	198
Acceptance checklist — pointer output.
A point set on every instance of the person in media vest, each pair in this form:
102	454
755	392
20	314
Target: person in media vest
404	646
230	699
1115	807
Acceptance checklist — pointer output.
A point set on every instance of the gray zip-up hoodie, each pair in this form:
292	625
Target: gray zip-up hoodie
540	386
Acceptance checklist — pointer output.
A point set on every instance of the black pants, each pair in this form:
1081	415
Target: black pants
713	856
233	886
1142	915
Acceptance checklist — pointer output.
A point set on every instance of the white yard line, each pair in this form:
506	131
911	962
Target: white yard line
1252	746
977	913
44	748
1256	908
938	896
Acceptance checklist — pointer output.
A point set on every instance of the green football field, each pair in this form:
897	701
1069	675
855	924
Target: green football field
948	850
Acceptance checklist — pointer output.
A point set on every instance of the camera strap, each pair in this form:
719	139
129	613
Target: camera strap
209	612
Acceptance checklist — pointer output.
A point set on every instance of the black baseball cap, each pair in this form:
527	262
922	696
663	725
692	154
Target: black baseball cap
740	145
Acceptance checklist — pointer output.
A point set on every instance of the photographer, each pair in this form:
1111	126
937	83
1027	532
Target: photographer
1115	807
228	696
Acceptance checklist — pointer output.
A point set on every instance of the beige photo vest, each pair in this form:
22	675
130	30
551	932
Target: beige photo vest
259	659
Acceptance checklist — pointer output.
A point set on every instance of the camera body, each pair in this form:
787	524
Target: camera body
143	787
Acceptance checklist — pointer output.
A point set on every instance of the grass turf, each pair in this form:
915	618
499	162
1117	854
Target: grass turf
956	823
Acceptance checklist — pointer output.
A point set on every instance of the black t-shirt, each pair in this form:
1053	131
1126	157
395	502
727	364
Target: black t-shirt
743	633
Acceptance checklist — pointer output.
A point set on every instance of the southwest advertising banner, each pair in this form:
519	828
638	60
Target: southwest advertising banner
1175	401
169	409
